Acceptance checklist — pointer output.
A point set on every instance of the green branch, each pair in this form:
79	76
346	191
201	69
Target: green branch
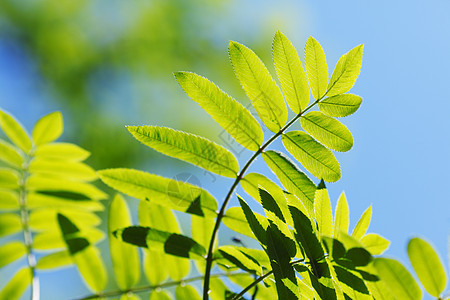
209	258
152	287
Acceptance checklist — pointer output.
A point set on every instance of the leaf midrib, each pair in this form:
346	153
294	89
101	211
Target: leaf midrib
309	120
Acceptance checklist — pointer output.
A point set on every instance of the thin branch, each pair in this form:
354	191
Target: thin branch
259	279
209	258
147	288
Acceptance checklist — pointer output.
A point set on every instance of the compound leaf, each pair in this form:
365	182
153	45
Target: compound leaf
312	155
340	105
166	192
316	68
399	281
124	257
48	128
428	266
346	72
188	147
259	86
327	130
230	114
290	73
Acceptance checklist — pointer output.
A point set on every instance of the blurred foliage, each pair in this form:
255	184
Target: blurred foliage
109	61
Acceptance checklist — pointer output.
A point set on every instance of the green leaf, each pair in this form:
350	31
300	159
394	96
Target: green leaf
282	269
292	178
55	260
352	283
52	240
124	257
10	200
66	170
312	155
346	72
9	224
170	243
342	216
188	147
9	155
186	292
46	219
290	73
322	209
327	130
316	68
91	268
258	228
399	281
61	151
10	252
9	179
48	128
240	259
307	239
159	295
235	220
17	285
201	231
15	131
129	296
363	224
259	86
375	243
42	201
161	218
166	192
340	105
428	266
230	114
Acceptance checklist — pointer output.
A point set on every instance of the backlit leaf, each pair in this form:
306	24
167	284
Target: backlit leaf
399	281
312	155
9	179
15	132
340	105
91	268
159	295
428	266
327	130
290	73
39	201
235	220
188	147
9	200
45	219
186	292
257	227
342	216
322	209
18	284
61	151
292	178
66	170
55	260
363	224
48	128
230	114
9	155
259	86
316	68
11	252
124	257
166	192
10	224
346	72
240	259
375	243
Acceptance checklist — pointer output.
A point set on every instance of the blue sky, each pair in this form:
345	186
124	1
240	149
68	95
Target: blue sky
401	158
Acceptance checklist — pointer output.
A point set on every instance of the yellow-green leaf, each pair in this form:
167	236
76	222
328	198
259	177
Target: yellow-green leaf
186	292
290	73
45	219
58	201
327	130
188	147
428	266
61	151
9	155
374	243
18	284
316	68
65	170
166	192
9	179
10	224
159	295
9	200
10	252
259	86
15	131
340	105
322	210
55	260
342	216
346	72
230	114
312	155
363	224
48	128
399	281
91	268
235	220
124	257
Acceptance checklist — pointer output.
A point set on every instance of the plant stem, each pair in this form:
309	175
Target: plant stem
35	293
209	257
152	287
261	278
